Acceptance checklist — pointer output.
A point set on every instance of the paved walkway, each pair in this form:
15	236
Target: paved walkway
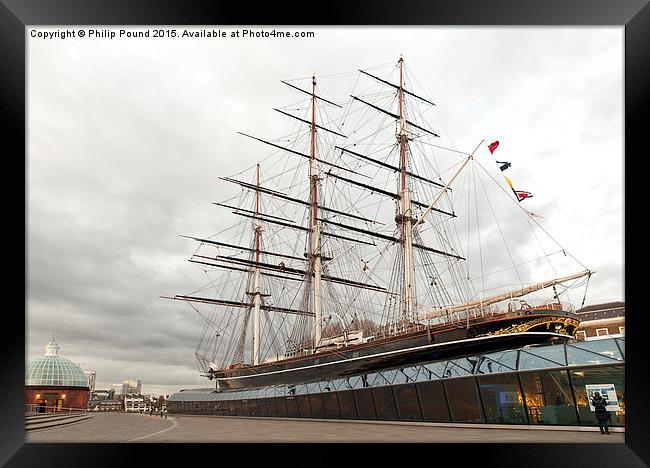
141	428
103	427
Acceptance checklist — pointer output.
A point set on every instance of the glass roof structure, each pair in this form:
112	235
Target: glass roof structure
599	352
52	370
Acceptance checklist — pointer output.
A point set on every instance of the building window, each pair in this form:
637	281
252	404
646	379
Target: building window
602	332
621	330
581	335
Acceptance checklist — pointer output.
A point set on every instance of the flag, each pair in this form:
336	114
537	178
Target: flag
522	195
509	182
504	165
493	146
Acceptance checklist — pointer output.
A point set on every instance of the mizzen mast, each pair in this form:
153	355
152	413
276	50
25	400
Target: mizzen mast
256	275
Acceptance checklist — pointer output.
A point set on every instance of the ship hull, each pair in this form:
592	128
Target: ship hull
428	344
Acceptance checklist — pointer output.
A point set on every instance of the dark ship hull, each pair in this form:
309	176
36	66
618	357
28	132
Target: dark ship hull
416	345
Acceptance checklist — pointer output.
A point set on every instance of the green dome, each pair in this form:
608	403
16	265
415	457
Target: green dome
52	370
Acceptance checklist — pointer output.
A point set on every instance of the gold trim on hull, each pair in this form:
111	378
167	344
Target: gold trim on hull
553	323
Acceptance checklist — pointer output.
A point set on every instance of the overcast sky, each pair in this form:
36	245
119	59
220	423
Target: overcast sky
127	137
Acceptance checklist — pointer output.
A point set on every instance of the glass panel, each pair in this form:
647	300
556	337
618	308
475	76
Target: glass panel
355	382
400	378
411	373
458	368
245	408
435	370
621	345
292	407
281	407
577	356
270	407
385	403
383	378
331	405
304	408
532	361
237	411
317	408
408	406
261	407
606	376
327	386
607	348
365	404
368	380
553	353
347	405
548	398
391	375
502	399
340	384
464	400
502	361
253	407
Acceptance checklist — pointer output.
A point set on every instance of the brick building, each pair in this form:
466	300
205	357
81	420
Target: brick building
601	320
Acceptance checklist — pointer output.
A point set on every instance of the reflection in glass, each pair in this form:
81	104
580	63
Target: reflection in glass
408	407
502	399
554	353
578	356
464	400
548	398
503	361
460	367
532	361
365	403
607	348
385	403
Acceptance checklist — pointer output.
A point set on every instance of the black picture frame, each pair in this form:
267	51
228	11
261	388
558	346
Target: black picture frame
633	15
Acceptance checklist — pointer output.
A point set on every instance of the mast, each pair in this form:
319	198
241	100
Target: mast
256	276
315	253
404	217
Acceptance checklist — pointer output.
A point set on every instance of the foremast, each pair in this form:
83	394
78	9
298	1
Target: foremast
314	244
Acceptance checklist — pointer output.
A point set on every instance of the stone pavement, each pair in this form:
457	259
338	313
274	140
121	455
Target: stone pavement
141	428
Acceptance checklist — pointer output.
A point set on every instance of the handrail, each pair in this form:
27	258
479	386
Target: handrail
34	408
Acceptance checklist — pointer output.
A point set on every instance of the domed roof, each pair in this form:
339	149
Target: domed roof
52	370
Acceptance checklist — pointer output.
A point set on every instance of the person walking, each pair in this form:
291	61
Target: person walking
602	415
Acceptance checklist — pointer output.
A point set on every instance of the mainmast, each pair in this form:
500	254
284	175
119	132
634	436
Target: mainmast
256	275
314	250
404	217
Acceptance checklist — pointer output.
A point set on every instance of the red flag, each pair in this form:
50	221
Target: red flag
522	195
493	146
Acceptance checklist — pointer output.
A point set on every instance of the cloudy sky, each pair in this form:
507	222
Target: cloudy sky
127	138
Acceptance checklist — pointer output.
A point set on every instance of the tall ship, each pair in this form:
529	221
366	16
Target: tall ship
366	240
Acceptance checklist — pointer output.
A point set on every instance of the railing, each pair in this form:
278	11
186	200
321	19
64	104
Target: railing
492	310
34	408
